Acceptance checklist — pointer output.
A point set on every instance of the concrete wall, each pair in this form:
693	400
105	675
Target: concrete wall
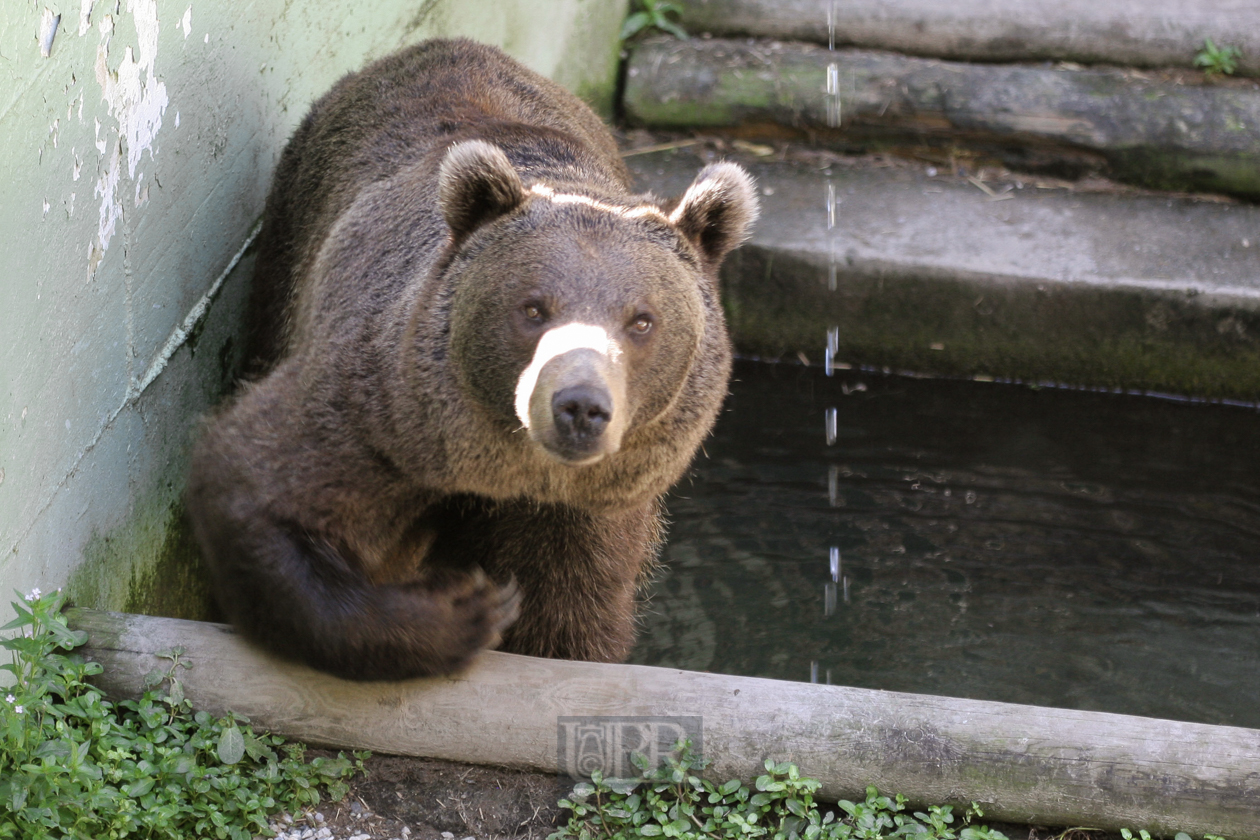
136	147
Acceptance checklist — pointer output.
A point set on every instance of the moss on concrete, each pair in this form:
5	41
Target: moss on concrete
148	565
1238	174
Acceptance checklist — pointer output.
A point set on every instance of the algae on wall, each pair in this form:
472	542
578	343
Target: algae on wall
139	138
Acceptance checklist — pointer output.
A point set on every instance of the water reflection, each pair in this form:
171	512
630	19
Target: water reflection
1078	550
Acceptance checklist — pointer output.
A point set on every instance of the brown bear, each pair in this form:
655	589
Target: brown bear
481	362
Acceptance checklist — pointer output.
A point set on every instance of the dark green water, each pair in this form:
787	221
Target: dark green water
1058	548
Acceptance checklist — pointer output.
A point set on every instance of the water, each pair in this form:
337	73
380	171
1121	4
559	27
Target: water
1057	548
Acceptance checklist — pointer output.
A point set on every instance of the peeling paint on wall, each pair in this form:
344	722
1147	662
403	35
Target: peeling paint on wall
85	17
47	31
137	99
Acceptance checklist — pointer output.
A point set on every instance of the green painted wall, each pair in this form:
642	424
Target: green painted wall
135	158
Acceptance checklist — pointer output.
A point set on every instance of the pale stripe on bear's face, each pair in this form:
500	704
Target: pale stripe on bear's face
556	342
636	212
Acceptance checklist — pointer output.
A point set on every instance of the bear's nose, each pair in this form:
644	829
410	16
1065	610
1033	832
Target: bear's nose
581	413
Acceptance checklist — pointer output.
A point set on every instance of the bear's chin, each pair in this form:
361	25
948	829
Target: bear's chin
575	457
579	462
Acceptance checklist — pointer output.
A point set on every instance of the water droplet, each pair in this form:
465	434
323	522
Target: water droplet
831	426
833	95
835	563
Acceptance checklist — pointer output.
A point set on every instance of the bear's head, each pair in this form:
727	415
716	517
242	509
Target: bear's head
580	313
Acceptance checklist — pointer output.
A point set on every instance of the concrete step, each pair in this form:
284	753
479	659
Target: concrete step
1159	130
1137	33
939	274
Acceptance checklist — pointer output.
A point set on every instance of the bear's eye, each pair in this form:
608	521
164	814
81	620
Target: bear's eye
641	324
532	311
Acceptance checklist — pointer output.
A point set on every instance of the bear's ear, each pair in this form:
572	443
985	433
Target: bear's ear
476	184
717	211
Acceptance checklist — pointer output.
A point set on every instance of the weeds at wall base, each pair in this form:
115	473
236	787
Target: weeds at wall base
75	765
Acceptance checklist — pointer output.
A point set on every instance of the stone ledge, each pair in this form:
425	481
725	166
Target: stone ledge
1149	129
941	276
1138	33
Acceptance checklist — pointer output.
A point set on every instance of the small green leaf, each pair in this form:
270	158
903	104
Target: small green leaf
176	695
625	787
231	747
673	29
634	24
139	787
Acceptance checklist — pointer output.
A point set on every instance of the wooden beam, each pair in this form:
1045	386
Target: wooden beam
1023	763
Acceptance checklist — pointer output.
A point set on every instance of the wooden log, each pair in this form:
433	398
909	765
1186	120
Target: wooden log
1023	763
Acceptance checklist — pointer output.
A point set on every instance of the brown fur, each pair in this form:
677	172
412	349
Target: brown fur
349	500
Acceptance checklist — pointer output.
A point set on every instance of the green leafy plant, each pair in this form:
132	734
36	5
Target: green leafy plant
1217	61
1145	835
673	801
653	14
75	765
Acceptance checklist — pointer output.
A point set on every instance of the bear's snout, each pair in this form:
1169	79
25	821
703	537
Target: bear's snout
577	409
580	414
572	395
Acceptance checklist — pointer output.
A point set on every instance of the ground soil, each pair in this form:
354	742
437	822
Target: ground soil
424	799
